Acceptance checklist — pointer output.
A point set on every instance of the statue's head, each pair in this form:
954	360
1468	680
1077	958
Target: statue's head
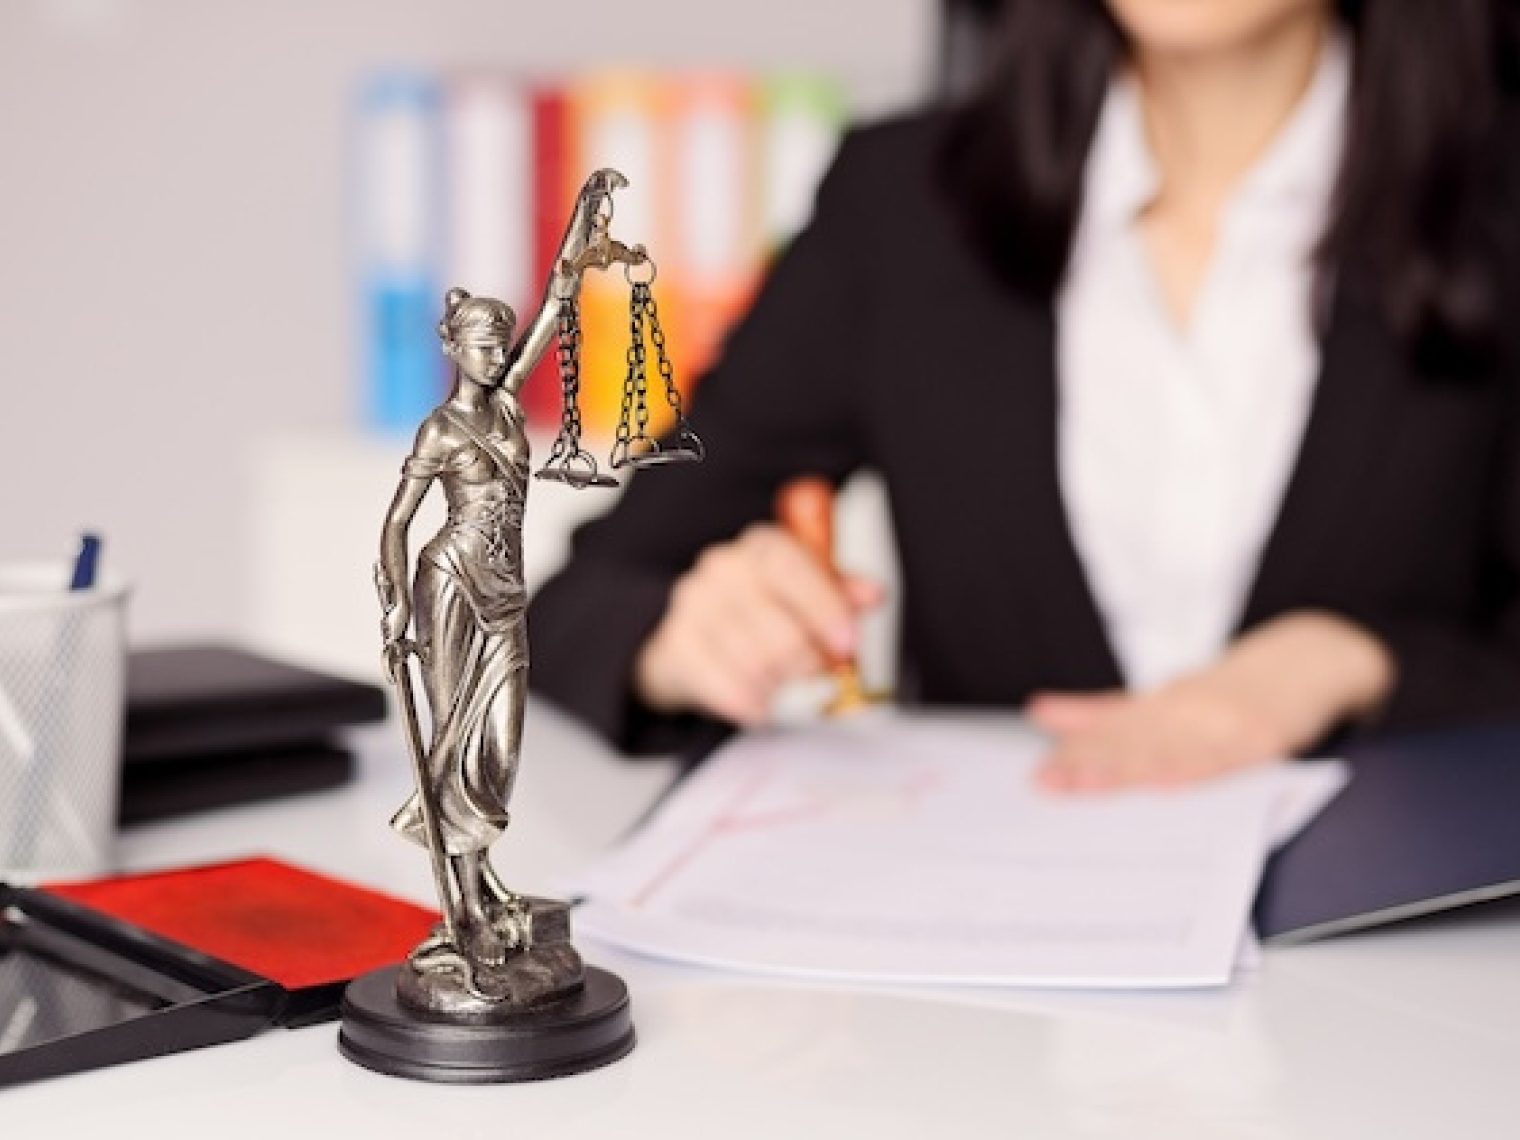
477	335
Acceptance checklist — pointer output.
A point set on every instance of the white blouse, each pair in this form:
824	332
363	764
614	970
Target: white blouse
1176	444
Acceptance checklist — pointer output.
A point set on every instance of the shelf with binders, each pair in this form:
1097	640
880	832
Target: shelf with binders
465	179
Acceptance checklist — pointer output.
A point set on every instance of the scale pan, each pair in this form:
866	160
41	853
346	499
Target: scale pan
574	478
660	458
643	451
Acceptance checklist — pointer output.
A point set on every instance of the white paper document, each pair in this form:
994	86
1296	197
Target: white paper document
898	848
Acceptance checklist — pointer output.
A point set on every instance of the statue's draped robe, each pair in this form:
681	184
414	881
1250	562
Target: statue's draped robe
470	602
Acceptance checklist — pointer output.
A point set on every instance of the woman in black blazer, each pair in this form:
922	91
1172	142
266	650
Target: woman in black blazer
912	329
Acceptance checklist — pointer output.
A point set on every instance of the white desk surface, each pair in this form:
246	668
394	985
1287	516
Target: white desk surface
1409	1032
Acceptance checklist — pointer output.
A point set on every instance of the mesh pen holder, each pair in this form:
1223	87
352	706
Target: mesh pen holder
62	699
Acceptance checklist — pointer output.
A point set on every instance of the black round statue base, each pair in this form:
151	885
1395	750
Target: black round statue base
588	1029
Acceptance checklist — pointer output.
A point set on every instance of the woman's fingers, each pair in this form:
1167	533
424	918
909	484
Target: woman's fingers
815	597
1186	732
863	594
1110	762
772	637
683	666
1061	713
720	679
749	616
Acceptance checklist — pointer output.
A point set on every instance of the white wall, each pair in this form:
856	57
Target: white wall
172	276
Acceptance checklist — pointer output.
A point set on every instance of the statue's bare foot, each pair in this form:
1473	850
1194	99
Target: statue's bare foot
486	943
508	908
515	923
437	937
436	954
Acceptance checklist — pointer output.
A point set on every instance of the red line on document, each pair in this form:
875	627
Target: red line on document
732	820
725	821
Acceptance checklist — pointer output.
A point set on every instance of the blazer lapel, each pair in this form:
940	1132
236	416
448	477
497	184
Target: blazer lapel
1344	439
1053	580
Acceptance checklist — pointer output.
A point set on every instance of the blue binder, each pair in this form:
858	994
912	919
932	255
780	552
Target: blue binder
1428	822
396	199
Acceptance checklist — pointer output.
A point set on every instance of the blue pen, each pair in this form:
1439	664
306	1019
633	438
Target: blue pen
86	562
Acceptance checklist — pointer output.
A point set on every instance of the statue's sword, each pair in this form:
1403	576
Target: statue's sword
397	666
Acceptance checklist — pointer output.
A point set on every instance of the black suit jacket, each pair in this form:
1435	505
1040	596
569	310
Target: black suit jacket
882	339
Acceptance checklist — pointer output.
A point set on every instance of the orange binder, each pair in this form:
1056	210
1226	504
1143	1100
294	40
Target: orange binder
619	120
717	247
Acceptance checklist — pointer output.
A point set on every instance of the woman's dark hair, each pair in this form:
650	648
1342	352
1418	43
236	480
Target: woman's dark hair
1414	203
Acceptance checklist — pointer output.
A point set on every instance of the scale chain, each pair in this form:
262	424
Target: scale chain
624	434
638	363
662	357
568	440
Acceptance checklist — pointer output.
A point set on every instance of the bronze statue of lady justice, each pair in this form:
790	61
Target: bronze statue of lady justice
466	1003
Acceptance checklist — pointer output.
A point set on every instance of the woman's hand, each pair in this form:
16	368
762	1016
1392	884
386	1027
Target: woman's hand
750	615
1277	690
1188	730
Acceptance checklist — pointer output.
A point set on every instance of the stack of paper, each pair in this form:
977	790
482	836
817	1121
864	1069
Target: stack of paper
920	849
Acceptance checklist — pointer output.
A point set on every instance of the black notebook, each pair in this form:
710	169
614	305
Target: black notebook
1428	822
215	725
